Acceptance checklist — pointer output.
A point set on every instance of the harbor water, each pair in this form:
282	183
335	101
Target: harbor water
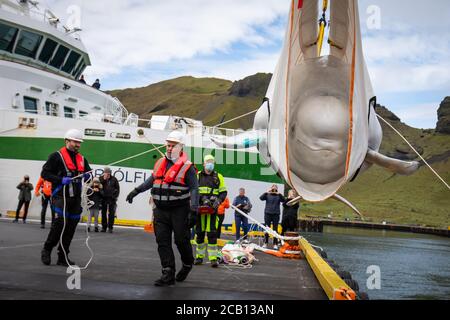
412	266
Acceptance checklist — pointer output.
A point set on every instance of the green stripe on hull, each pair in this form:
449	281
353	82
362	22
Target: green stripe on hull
104	152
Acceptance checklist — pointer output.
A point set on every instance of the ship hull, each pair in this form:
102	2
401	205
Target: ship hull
23	151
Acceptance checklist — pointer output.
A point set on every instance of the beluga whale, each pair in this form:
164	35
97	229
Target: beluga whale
317	126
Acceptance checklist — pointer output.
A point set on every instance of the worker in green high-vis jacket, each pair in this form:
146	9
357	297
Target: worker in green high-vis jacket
212	192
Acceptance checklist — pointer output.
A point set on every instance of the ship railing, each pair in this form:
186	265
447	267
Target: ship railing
116	109
133	120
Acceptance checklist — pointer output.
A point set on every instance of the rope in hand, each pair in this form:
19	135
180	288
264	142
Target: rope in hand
87	191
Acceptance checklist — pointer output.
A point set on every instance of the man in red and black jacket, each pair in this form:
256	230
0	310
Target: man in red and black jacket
174	189
65	169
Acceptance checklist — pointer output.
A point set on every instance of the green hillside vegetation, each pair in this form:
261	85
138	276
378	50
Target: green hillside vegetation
205	99
420	199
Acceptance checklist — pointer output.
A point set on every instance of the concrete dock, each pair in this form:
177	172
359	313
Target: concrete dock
125	265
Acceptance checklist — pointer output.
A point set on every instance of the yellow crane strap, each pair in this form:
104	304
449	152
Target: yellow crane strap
322	26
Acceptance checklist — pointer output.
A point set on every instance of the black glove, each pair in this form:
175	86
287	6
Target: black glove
132	194
192	218
216	204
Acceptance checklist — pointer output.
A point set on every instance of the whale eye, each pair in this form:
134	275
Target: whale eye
292	130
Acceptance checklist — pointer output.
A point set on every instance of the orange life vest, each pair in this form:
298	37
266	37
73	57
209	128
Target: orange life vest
70	166
169	187
45	185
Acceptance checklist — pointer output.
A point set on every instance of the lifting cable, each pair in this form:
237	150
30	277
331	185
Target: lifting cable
418	154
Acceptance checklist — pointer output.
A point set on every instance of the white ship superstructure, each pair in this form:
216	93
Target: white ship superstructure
41	98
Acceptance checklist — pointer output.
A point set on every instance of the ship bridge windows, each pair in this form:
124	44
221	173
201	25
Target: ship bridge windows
79	70
28	44
30	105
51	109
47	50
59	57
71	62
7	37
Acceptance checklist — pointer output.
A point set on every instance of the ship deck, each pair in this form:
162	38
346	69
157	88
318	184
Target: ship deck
125	265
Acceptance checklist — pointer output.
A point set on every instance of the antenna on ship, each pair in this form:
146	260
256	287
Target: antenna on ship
70	31
52	18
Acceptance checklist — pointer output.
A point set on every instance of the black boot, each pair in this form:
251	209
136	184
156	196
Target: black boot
214	263
62	261
198	261
183	273
167	278
46	257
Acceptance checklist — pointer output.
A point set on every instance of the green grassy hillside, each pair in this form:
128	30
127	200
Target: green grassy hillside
205	99
419	199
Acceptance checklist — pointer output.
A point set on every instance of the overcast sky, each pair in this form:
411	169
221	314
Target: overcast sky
138	42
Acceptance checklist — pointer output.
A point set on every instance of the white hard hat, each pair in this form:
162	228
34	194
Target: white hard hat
74	135
176	136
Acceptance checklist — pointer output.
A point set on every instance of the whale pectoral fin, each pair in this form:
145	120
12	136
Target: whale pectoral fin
397	166
244	140
294	201
349	204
